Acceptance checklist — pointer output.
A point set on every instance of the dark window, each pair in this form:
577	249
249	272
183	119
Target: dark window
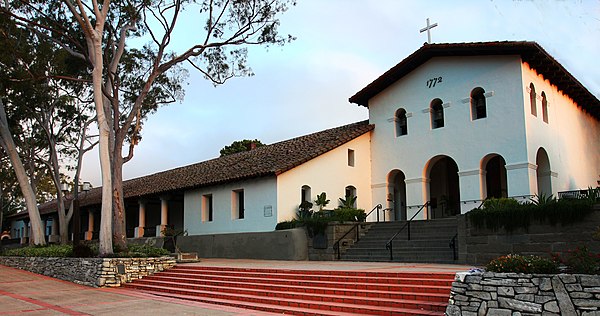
401	123
437	113
207	207
240	203
351	157
532	99
305	194
478	106
544	107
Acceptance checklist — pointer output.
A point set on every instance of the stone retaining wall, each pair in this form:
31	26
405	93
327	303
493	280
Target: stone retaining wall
91	271
511	294
478	246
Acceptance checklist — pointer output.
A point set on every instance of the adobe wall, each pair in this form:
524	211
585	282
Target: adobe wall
479	246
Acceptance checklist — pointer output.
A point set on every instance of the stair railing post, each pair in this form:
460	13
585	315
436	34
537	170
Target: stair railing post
391	251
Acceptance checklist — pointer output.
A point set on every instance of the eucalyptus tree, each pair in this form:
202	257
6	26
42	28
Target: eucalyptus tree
131	82
45	116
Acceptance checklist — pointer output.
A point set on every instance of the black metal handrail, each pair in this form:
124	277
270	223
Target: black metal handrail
453	242
389	244
336	245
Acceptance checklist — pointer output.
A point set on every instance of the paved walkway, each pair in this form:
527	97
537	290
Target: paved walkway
22	292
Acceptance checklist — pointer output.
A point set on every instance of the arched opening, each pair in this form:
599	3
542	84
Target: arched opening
478	106
495	182
397	194
544	174
544	107
401	123
351	193
444	190
437	113
305	194
532	99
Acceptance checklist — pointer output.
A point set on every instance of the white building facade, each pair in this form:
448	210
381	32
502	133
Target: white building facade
455	124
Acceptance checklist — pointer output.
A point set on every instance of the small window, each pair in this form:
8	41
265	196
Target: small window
351	195
237	206
351	157
478	106
437	113
305	194
401	123
532	100
544	107
207	208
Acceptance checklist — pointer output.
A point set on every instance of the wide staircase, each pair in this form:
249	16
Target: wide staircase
305	292
430	241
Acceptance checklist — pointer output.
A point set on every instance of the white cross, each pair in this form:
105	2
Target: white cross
428	28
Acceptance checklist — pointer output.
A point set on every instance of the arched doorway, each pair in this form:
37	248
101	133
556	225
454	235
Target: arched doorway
397	194
495	183
544	174
444	190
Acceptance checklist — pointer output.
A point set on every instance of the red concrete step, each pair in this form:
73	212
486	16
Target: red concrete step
306	292
307	306
383	278
190	289
431	286
438	294
293	309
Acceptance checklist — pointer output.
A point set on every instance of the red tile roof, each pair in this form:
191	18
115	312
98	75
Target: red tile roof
530	52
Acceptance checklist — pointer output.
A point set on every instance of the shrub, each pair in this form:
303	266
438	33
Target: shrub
287	225
344	214
522	264
511	215
580	260
44	251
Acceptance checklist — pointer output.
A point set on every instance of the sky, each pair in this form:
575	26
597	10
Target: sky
341	46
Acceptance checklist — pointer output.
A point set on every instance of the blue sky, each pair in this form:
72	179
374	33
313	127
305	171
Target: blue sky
341	46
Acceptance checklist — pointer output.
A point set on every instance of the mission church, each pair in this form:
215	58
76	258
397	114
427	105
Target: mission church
451	124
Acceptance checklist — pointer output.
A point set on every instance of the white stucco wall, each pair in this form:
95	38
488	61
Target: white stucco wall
465	140
259	195
331	174
571	137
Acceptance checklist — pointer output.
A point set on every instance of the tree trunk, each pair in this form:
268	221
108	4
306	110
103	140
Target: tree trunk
37	229
119	225
105	242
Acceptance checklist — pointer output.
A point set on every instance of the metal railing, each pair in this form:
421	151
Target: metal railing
356	227
390	243
453	246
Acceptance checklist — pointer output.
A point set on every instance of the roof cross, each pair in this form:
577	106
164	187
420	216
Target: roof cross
428	29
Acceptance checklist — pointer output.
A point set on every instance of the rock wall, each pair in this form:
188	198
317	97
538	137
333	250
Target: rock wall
96	272
513	294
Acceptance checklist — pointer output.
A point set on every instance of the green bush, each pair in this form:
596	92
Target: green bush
44	251
84	251
287	225
522	264
580	260
349	215
511	215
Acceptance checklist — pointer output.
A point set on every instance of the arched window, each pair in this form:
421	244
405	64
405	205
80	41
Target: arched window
401	124
351	195
478	107
544	107
437	113
532	99
305	194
